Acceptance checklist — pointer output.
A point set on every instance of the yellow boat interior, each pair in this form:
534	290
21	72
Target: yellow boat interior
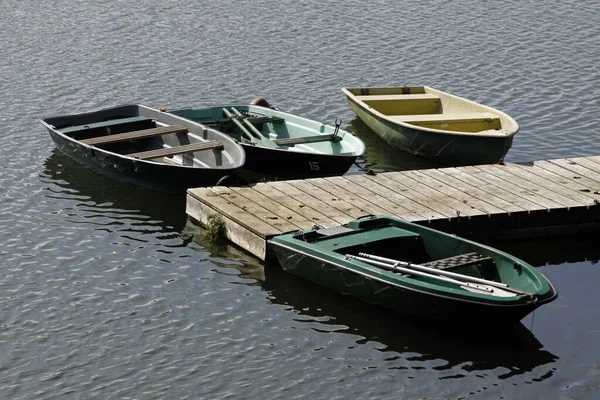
428	108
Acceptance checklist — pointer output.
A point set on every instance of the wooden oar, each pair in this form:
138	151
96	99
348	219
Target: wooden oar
264	139
239	125
248	124
472	287
435	271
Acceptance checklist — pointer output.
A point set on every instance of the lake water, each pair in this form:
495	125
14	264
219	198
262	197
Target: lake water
107	291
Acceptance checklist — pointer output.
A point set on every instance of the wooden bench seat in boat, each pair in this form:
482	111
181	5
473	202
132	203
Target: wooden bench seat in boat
387	97
390	104
478	116
465	122
142	134
461	260
103	124
250	118
301	140
171	151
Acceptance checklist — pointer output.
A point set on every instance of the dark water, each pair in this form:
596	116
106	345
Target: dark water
107	291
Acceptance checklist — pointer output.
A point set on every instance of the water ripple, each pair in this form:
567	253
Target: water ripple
108	292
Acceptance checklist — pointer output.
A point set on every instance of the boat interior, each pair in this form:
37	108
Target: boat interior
399	244
251	127
429	108
145	138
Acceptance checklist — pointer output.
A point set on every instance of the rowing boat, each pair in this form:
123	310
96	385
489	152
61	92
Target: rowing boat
279	144
435	125
147	147
416	270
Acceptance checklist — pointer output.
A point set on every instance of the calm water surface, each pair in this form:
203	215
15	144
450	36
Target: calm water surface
107	291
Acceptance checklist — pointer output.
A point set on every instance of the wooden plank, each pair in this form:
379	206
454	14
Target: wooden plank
221	203
256	210
578	169
526	193
237	222
101	124
385	198
587	163
144	133
551	181
553	196
301	140
309	215
388	97
385	186
314	203
342	206
402	196
171	151
590	184
595	159
255	119
284	213
478	180
448	175
478	206
435	199
475	116
364	207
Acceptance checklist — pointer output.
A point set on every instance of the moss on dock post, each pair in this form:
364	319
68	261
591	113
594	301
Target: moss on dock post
215	229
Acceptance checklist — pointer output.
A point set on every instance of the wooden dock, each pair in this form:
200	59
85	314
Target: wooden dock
486	202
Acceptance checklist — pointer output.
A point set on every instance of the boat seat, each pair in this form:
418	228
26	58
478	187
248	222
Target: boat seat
142	134
102	124
388	97
443	117
455	122
390	104
171	151
461	260
252	119
307	139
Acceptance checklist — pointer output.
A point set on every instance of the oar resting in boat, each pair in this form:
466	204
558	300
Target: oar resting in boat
469	283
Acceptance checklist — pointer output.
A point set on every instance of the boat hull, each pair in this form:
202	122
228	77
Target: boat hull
420	304
442	148
305	160
284	164
326	258
158	176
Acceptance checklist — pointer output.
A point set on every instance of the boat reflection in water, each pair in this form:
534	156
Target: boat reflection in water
69	180
410	342
381	157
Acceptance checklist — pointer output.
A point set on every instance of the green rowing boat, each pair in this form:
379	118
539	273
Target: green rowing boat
280	144
417	270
